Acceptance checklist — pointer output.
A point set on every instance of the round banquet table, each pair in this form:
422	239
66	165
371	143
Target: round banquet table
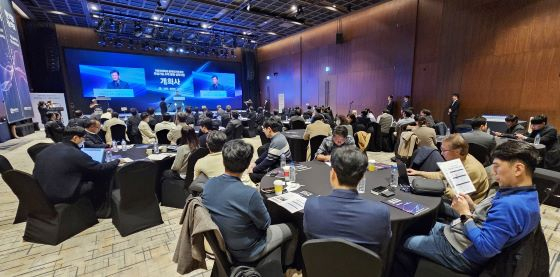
316	181
298	146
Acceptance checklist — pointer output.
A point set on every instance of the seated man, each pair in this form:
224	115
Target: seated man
240	213
478	135
232	125
73	171
317	128
428	115
112	122
165	124
539	125
212	165
513	127
343	214
385	121
79	119
296	117
54	129
270	158
338	139
455	147
92	137
499	221
406	118
175	133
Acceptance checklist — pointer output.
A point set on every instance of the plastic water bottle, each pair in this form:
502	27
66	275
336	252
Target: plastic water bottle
292	172
123	144
537	139
394	177
362	185
115	146
108	156
282	160
156	147
448	132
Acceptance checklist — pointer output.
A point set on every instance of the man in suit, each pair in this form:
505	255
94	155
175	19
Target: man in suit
318	127
54	128
79	119
116	82
539	125
390	104
216	84
453	111
163	106
92	137
233	125
65	173
479	136
343	213
405	105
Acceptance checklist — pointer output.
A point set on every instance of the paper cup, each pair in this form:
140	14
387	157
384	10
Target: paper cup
278	186
149	151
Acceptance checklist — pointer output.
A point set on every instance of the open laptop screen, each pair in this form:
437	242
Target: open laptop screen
97	154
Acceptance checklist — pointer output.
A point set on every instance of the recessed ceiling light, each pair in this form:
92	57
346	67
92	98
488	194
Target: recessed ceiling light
294	8
59	13
93	7
272	33
155	17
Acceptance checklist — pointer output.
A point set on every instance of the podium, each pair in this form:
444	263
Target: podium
103	98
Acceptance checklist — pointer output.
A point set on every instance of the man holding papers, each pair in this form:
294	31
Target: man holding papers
499	221
455	147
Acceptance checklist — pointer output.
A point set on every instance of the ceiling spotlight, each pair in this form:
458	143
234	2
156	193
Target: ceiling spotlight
156	17
249	5
170	49
93	7
180	50
294	8
204	25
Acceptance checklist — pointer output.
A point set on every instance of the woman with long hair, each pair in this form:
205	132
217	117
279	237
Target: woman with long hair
187	144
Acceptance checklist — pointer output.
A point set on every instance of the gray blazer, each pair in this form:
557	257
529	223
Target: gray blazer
481	138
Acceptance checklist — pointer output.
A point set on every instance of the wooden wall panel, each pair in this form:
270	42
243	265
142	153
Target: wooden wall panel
502	56
374	61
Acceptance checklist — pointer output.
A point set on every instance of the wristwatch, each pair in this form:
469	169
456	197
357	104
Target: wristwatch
465	217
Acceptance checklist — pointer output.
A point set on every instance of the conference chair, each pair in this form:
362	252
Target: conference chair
34	150
527	257
441	128
48	223
547	182
297	124
162	136
250	131
463	128
338	257
264	139
225	121
134	204
314	144
269	265
480	152
21	214
191	162
388	140
375	140
118	132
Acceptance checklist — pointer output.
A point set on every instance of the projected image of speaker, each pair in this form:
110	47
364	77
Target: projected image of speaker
213	85
111	81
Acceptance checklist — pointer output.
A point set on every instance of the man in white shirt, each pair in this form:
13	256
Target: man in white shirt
166	124
112	122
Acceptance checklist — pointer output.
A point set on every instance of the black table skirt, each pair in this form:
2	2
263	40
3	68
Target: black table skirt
316	180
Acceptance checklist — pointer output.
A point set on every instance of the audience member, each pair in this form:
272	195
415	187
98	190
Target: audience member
406	118
371	116
455	147
153	120
342	120
165	124
426	135
132	126
317	128
428	115
270	158
92	139
163	106
240	213
499	221
363	119
385	121
343	214
390	105
478	135
65	173
110	123
296	117
212	165
233	126
539	126
338	139
188	143
79	119
148	136
108	114
54	129
191	119
353	121
175	133
513	127
205	127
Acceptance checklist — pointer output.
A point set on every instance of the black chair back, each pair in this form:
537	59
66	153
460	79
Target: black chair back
441	128
480	152
28	191
375	139
360	127
264	139
118	132
162	136
548	186
222	261
297	124
225	121
463	128
358	260
197	154
5	165
238	132
314	144
34	150
137	182
102	120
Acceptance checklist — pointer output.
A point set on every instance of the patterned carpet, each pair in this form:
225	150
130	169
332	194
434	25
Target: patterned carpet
101	251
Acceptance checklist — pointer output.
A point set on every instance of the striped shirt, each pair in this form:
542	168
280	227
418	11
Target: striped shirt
271	159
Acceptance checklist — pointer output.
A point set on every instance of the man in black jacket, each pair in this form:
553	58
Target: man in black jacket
79	119
92	139
54	128
232	126
539	126
65	173
453	111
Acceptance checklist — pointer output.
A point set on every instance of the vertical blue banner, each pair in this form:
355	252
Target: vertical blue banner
13	78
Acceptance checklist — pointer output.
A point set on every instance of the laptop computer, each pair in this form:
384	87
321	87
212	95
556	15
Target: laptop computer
404	179
97	154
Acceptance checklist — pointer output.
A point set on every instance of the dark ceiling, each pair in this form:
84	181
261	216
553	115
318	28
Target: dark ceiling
221	23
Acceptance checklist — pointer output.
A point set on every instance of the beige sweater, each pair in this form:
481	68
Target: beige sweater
476	172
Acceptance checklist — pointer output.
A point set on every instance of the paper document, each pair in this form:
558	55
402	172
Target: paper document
159	157
457	176
290	201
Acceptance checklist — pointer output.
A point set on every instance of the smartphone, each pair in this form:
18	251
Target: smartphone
387	193
377	190
267	190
